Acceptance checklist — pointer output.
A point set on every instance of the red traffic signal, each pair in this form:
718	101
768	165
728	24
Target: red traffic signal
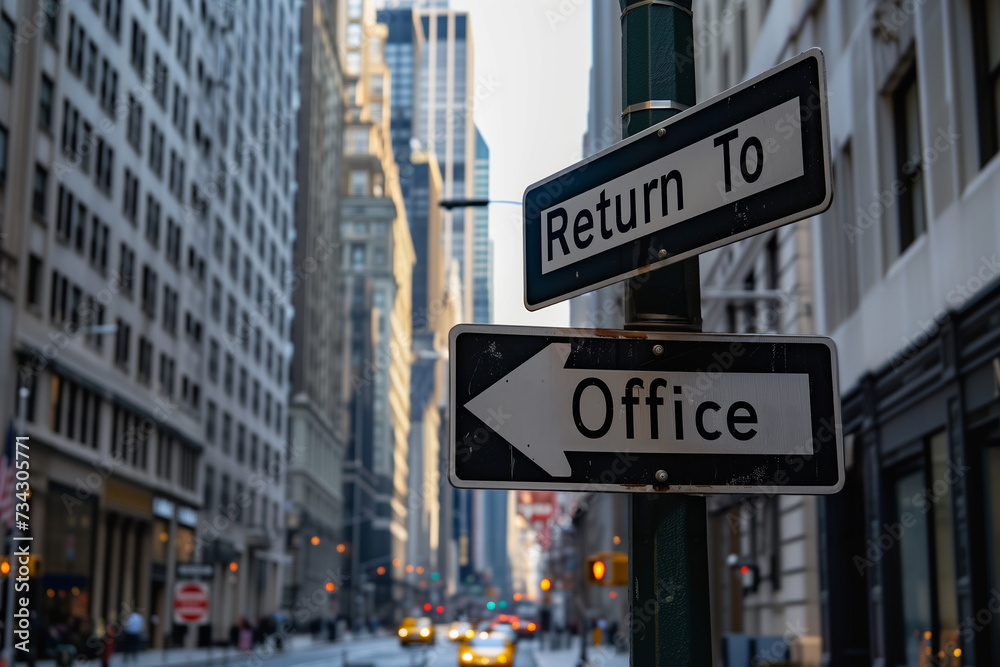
608	568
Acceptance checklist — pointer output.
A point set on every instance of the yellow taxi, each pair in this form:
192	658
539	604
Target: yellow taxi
416	631
486	648
460	631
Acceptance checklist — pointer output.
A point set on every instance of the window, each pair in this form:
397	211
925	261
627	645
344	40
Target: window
176	175
156	150
160	80
123	336
215	304
105	163
986	43
173	243
135	124
926	604
145	361
357	256
227	432
8	38
4	138
358	183
109	86
45	101
130	207
169	310
90	66
909	163
163	17
213	360
40	190
234	259
242	394
34	295
227	375
126	269
167	366
57	302
183	44
180	110
113	17
137	53
153	221
99	233
241	434
149	281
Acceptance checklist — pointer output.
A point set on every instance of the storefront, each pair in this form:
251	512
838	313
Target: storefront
910	549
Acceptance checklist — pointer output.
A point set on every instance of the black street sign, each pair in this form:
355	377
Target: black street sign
750	159
580	410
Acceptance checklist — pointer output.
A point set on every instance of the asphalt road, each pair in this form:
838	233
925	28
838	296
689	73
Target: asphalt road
382	652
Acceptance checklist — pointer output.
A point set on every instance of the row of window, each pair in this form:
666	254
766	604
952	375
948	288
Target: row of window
69	305
243	506
225	431
245	391
75	413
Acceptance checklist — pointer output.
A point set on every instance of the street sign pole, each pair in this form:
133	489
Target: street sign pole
668	550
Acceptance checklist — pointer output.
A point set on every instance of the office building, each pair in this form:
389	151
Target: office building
318	417
157	206
377	274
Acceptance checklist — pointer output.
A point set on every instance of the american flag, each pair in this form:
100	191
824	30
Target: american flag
7	480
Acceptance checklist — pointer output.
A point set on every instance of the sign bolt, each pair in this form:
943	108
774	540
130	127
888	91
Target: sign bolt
663	253
661	132
661	476
658	350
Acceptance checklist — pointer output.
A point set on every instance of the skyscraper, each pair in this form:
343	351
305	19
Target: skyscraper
444	126
151	227
482	246
318	419
377	276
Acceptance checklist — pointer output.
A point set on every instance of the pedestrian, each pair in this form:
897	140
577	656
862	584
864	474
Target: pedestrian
133	630
108	645
246	636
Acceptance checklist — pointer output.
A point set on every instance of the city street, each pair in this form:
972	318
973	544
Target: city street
376	652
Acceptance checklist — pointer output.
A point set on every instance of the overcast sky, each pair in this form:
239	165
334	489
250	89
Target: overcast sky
532	64
535	56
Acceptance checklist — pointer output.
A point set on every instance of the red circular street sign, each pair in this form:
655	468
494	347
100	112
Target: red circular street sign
191	602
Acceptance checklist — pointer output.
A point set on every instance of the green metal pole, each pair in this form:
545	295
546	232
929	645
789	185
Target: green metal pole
668	553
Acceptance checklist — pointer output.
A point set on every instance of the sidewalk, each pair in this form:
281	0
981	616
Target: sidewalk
183	657
597	656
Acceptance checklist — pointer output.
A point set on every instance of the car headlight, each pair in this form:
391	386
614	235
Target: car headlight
402	632
453	634
470	633
502	659
466	657
425	632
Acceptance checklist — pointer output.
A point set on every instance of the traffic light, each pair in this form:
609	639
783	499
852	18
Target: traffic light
748	571
749	576
546	584
33	563
608	568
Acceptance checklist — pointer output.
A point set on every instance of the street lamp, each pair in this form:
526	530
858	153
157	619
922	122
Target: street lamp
473	203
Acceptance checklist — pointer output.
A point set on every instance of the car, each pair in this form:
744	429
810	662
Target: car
486	648
505	629
416	630
460	630
524	627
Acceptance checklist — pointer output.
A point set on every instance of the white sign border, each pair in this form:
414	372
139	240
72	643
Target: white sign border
599	487
814	52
